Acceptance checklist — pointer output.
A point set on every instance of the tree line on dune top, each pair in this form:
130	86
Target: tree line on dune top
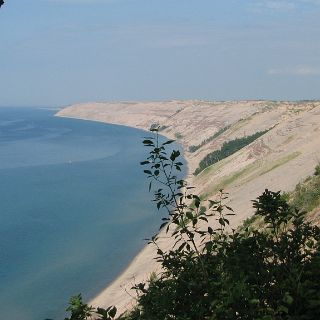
217	273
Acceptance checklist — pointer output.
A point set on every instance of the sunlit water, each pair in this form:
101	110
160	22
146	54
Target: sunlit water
74	209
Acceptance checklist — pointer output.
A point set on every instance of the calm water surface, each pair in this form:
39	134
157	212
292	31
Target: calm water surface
74	209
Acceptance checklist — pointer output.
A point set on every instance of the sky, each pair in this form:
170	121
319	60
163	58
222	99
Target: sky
60	52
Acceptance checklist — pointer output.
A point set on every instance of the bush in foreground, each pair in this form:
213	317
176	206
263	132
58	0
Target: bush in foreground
216	273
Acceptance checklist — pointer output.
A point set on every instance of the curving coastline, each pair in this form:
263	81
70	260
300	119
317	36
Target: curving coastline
278	160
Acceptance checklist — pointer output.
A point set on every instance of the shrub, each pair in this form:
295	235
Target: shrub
306	195
210	273
271	273
82	311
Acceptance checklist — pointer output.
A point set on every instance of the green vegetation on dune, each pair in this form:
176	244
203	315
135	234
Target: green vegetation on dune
178	135
244	175
227	149
194	148
270	273
227	181
212	170
306	195
279	162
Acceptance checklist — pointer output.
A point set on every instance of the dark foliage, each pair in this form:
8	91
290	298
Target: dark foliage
214	273
211	138
82	311
227	149
306	195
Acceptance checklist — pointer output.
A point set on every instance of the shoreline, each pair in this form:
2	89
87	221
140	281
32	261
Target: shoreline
131	274
278	160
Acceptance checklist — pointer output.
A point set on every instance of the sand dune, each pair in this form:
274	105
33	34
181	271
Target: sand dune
278	160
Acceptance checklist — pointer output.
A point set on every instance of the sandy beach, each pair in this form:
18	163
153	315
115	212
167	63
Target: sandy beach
278	160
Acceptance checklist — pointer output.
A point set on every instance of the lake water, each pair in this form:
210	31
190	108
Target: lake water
74	209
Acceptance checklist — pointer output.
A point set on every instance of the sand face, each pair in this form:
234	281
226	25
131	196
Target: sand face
278	160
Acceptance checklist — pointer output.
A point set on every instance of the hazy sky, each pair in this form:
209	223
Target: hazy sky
58	52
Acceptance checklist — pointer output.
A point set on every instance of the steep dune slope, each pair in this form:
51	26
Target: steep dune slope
278	160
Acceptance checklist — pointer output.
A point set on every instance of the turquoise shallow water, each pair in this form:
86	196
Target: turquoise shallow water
74	209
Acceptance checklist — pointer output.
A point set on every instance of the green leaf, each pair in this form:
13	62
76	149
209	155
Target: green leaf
168	142
254	301
197	203
163	225
181	246
189	215
283	309
288	299
209	246
174	155
148	142
113	312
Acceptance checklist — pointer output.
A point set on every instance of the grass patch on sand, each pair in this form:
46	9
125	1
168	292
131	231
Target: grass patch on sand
279	162
244	175
306	195
230	179
212	169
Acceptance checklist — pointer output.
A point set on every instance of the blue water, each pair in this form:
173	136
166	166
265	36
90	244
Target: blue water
74	209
